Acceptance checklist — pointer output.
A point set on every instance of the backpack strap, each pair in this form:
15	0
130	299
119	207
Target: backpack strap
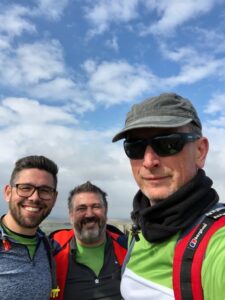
62	238
119	245
134	238
189	255
55	288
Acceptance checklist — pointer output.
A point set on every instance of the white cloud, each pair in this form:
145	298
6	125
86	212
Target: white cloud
215	109
216	104
113	44
40	61
31	63
175	12
104	12
208	38
39	71
13	22
115	82
193	73
51	9
14	111
215	164
194	65
181	54
4	43
171	14
15	19
60	89
81	155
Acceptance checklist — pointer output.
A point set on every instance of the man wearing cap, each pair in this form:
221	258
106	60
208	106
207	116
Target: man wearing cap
175	209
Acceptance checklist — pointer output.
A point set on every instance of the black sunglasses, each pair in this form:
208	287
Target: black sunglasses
163	145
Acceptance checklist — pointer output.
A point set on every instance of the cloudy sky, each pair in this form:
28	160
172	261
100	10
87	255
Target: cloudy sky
71	69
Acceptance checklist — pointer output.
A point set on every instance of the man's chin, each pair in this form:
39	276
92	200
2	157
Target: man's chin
90	235
31	223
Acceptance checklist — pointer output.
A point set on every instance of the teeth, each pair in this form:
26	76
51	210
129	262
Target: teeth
29	208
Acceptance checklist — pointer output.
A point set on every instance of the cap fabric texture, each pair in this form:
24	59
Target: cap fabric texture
167	110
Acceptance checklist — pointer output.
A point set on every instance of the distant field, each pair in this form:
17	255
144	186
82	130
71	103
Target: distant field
50	225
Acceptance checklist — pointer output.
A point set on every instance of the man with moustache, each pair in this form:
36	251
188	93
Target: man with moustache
26	264
89	256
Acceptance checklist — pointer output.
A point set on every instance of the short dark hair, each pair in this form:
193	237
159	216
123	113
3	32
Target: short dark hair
87	187
35	162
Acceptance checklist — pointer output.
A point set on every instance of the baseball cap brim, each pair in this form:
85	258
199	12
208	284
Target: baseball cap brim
152	122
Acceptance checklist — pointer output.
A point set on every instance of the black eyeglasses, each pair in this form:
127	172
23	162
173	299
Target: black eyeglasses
27	190
163	145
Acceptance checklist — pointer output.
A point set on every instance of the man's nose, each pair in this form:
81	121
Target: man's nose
35	195
89	212
150	159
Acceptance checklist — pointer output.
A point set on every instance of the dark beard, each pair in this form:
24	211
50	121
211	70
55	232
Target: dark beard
26	222
92	235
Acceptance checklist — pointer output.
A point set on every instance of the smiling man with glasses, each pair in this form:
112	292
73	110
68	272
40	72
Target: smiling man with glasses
167	152
25	254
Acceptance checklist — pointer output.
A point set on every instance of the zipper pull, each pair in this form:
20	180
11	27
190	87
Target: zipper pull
6	245
55	292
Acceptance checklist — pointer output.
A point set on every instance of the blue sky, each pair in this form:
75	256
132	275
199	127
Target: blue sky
71	69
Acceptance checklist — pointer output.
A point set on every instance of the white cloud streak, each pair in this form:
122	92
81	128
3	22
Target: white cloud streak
115	82
113	44
171	14
105	12
51	9
174	13
16	111
13	21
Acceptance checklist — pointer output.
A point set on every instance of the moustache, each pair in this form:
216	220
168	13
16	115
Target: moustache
37	203
90	220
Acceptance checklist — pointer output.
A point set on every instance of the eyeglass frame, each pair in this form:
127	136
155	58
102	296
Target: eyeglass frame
35	188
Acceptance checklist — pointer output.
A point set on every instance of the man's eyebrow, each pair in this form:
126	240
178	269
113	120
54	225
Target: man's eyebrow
80	205
86	205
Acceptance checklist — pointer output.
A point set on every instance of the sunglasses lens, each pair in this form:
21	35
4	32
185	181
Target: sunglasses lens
167	145
135	149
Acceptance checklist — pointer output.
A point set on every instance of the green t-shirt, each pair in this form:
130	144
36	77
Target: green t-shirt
29	241
92	257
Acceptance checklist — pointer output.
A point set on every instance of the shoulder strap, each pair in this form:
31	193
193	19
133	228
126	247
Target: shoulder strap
189	255
127	257
61	257
120	249
55	288
134	238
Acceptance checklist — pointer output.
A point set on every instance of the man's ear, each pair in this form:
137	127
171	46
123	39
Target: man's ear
7	192
71	218
202	149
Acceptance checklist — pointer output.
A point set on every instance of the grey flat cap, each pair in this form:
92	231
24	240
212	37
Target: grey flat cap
167	110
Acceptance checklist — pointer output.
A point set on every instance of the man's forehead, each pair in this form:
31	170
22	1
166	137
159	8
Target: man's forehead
86	197
33	173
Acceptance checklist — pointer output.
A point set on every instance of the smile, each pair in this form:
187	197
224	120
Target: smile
31	209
